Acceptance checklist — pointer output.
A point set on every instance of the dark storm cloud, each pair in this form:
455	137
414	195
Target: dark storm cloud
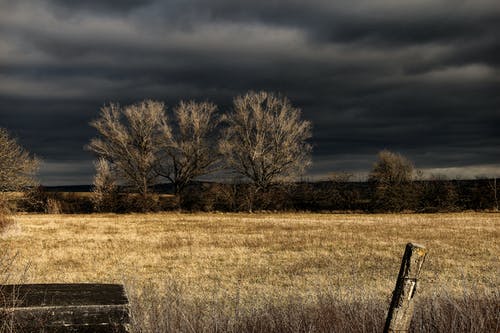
421	77
383	21
108	5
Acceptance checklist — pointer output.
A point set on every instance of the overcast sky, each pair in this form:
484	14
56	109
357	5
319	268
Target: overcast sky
420	77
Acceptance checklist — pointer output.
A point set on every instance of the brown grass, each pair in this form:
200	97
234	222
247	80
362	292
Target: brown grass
242	269
329	310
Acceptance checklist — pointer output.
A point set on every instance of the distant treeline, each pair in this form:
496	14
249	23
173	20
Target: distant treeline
425	196
261	145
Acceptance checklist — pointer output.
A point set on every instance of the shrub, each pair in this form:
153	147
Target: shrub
391	178
5	222
104	190
138	203
53	206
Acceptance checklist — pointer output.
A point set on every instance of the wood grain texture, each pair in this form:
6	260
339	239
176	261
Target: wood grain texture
65	307
402	304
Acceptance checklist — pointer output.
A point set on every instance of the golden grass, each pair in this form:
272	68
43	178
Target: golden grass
277	255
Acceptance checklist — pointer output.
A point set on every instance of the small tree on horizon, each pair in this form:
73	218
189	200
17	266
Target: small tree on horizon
391	176
104	187
391	168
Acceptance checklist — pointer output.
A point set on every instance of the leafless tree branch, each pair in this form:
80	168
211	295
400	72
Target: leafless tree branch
188	143
17	166
265	139
128	140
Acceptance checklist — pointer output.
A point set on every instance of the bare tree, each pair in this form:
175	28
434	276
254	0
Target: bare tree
188	147
492	183
128	140
266	139
17	166
104	189
392	176
391	168
438	193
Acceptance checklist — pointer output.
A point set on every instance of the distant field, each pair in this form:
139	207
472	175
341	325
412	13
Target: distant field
273	252
273	256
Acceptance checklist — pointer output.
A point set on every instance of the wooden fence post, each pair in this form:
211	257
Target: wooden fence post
401	309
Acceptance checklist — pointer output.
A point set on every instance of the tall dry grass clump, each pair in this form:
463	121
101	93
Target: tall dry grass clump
9	297
328	310
222	310
6	263
5	222
474	312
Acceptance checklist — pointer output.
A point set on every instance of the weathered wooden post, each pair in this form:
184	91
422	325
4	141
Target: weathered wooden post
75	308
401	309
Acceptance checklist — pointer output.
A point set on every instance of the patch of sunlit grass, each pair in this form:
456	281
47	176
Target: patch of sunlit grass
267	272
278	253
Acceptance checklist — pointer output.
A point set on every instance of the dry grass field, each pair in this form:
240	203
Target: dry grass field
228	267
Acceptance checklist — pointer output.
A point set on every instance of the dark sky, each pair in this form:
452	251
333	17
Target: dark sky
421	77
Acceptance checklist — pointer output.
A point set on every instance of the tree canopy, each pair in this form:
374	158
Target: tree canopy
265	139
17	166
